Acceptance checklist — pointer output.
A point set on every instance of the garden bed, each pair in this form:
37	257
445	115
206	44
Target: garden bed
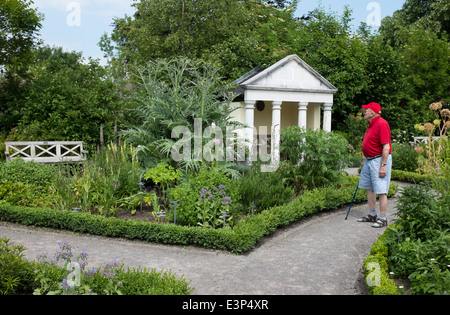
412	254
243	237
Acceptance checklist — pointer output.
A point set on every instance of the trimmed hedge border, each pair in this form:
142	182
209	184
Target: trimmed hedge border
242	238
410	177
378	255
379	250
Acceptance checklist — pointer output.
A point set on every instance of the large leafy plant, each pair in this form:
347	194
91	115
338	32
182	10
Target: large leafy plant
173	93
312	158
194	191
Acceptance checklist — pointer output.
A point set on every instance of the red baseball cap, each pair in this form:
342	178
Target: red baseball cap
373	106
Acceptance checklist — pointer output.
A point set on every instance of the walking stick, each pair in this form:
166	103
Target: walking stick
354	195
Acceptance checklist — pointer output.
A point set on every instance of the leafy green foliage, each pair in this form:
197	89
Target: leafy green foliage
189	192
49	275
19	171
263	190
419	241
208	30
18	32
52	107
28	195
16	272
314	157
172	94
101	183
405	157
420	214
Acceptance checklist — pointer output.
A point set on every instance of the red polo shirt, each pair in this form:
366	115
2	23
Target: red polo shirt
377	134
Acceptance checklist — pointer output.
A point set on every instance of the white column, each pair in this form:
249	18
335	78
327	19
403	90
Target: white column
302	110
250	122
276	129
327	107
276	114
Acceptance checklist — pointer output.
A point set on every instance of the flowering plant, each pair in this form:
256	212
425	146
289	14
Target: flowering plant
76	279
211	204
441	124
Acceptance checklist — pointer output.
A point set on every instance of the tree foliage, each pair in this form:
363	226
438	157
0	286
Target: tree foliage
418	35
18	32
65	98
236	35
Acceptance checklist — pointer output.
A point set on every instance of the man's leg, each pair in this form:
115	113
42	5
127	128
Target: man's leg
381	186
382	220
371	198
383	203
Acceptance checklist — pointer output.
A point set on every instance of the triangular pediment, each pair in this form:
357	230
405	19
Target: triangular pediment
290	73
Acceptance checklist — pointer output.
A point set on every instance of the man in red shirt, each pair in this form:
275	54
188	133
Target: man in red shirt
375	175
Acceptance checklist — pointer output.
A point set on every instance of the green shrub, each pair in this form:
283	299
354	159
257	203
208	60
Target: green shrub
28	195
32	173
263	190
16	273
425	263
419	242
100	182
410	177
431	278
188	193
375	268
420	214
405	157
54	277
316	157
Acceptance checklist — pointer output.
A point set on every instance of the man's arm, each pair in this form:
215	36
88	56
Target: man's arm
384	158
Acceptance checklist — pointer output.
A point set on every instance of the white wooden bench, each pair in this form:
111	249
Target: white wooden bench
46	151
419	140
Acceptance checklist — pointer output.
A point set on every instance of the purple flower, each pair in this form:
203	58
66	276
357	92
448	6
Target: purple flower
90	273
227	200
65	286
204	192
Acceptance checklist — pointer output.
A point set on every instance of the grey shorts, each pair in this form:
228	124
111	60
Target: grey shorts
370	178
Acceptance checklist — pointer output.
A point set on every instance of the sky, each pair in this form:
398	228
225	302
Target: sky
77	25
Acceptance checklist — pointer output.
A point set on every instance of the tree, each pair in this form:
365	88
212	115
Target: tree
430	15
418	35
18	32
228	33
66	98
359	64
